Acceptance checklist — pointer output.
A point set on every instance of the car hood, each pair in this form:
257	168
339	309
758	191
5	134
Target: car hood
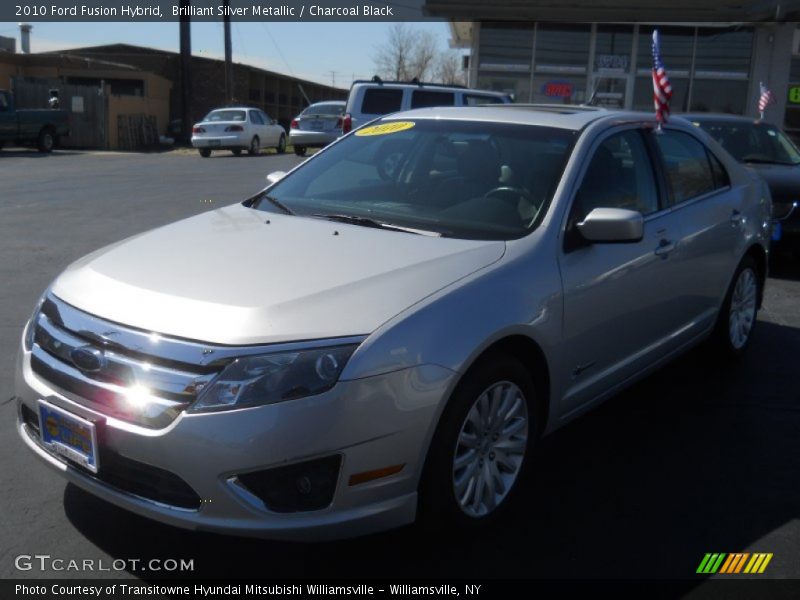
783	180
241	276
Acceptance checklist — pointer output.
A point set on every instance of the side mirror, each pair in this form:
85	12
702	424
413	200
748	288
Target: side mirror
612	225
275	177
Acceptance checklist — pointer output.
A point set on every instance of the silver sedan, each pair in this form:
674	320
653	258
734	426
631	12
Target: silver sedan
386	332
317	126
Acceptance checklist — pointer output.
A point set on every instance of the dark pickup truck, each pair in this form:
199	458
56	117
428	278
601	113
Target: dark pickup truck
41	128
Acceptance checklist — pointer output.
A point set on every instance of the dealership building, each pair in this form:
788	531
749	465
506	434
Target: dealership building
713	66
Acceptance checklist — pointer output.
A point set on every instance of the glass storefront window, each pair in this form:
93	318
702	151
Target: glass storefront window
725	51
612	52
677	44
719	95
643	94
506	46
559	89
562	47
517	86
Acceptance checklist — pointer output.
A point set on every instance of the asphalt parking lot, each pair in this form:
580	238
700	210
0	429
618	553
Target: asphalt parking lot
700	457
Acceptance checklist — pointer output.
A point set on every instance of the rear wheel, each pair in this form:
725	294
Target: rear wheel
204	152
300	150
281	144
479	455
47	140
737	317
255	146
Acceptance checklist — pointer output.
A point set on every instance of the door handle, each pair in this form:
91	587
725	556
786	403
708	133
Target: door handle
664	248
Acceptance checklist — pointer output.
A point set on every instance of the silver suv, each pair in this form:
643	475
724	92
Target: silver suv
372	339
370	99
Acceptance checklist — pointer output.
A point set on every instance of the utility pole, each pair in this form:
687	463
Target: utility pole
186	70
333	78
228	53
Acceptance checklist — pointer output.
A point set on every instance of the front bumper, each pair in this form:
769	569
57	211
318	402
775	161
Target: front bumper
372	423
299	137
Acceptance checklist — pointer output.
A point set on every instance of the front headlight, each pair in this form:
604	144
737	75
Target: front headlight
30	327
271	378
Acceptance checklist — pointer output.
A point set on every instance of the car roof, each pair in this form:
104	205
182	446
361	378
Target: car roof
235	108
425	86
328	102
563	116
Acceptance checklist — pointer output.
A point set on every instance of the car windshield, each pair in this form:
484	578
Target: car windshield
754	142
226	115
472	180
331	108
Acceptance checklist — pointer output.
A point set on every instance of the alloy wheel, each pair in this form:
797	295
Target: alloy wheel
743	308
490	449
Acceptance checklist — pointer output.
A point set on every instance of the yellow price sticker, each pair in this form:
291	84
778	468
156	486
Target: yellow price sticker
386	128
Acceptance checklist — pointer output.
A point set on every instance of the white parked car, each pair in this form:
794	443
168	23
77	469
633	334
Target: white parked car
236	129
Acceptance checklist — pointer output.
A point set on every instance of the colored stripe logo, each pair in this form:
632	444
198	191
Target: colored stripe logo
734	563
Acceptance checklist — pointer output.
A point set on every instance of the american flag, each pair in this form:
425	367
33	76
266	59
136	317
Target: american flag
662	88
766	98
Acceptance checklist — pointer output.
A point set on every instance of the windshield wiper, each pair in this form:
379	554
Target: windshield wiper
367	222
277	203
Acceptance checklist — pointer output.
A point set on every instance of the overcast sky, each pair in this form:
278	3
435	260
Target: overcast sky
306	50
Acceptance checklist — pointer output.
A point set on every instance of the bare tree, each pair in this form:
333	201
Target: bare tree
448	68
407	54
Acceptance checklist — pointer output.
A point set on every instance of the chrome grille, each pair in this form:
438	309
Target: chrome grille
139	377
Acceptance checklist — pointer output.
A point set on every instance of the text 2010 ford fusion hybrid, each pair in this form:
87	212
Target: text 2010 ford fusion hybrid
385	332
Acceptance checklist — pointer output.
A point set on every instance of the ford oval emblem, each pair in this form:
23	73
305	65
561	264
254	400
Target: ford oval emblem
87	358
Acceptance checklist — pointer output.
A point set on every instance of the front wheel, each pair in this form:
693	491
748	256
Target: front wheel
480	453
300	150
281	145
237	151
737	317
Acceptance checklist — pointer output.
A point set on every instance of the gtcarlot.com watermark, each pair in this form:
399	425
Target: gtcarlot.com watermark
47	562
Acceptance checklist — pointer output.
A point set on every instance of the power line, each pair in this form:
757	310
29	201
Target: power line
274	43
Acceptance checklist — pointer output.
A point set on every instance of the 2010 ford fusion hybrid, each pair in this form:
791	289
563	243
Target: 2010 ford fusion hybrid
386	331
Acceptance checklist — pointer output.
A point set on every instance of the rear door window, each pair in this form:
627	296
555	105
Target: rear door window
381	101
686	164
426	98
721	179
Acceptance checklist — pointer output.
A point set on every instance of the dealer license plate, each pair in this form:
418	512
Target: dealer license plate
69	435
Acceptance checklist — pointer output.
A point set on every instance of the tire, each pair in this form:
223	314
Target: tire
255	146
447	498
300	150
204	152
237	151
47	140
738	315
281	148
